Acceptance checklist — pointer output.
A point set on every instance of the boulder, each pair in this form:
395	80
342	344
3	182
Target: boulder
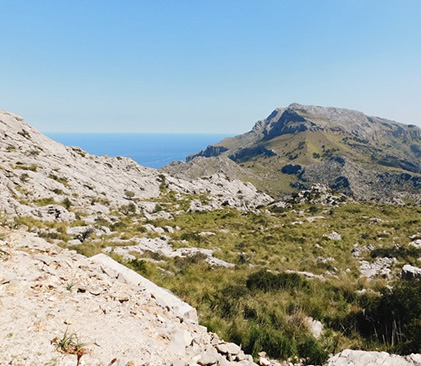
410	272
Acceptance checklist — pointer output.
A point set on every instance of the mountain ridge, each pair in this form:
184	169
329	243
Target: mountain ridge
302	138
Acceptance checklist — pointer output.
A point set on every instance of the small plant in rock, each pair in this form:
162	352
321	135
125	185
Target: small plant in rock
45	201
163	184
10	148
70	286
24	133
69	343
24	177
20	165
3	254
67	203
85	235
128	209
33	152
61	180
129	195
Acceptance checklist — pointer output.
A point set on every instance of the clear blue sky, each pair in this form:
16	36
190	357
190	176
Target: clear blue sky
212	66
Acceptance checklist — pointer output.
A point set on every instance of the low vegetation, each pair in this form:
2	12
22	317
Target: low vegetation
287	272
69	343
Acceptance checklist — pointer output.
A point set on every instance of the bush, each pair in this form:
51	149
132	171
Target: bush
128	209
394	318
67	203
266	281
183	262
396	252
138	266
312	351
129	194
273	341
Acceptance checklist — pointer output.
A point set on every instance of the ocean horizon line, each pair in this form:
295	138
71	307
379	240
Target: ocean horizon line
152	150
142	133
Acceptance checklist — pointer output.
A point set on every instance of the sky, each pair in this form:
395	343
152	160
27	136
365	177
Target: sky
211	66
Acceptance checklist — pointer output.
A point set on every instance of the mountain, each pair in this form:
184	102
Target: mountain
295	147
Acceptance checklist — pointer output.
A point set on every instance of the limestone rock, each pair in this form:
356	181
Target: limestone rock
228	348
209	357
410	272
380	268
333	236
316	327
361	358
48	292
416	243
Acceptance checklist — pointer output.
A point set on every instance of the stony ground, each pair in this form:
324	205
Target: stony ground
57	306
61	308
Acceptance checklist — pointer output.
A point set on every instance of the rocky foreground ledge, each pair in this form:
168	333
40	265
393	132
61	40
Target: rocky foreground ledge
60	308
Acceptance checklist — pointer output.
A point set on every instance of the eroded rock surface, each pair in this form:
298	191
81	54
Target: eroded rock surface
361	358
108	311
42	178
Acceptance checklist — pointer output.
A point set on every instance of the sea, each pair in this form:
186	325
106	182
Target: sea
150	150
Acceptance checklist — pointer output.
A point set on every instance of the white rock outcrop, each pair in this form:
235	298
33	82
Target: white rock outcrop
382	267
109	314
411	272
362	358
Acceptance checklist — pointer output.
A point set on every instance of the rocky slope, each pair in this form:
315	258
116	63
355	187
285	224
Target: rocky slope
294	147
60	308
43	178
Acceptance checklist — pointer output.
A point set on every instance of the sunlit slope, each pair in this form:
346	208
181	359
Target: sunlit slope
358	155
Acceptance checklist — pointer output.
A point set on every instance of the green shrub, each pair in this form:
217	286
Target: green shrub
182	262
311	349
405	253
394	318
138	266
163	185
129	194
45	201
266	281
61	180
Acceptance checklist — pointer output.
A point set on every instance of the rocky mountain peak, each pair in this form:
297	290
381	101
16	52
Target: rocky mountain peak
297	118
294	141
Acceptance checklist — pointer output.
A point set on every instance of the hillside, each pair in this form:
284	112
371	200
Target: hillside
368	158
36	172
60	308
86	241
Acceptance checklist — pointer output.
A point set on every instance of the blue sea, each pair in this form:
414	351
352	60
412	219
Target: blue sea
151	150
